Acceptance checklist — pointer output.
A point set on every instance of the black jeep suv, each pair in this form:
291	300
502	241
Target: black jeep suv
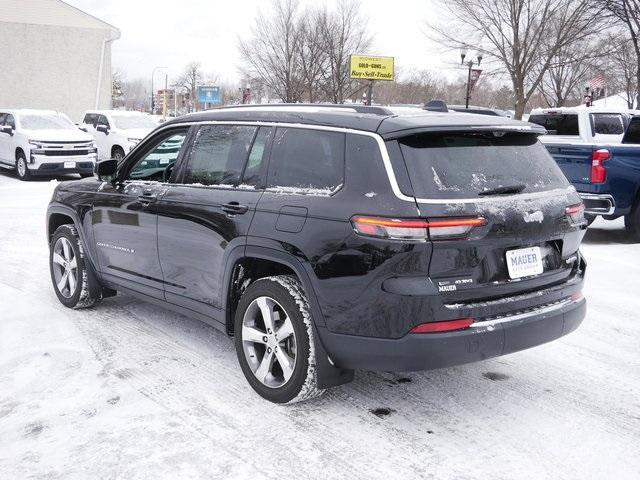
328	239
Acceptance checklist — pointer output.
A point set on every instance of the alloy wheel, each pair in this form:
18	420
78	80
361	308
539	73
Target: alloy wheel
269	342
21	167
65	268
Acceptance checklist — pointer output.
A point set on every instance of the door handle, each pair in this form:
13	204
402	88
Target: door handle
147	197
234	208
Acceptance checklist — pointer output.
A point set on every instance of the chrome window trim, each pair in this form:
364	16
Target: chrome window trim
385	160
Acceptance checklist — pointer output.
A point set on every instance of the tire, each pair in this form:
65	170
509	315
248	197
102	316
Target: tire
117	153
632	223
66	251
282	296
590	218
22	171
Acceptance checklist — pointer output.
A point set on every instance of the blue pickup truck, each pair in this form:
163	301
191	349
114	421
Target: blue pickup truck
599	152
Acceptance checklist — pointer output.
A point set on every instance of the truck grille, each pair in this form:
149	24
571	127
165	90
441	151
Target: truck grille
64	149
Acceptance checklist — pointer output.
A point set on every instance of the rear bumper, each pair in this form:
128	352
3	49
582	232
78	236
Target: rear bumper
488	338
598	203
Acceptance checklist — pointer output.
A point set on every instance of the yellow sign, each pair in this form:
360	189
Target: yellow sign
364	67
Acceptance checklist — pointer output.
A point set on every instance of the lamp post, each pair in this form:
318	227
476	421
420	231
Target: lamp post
153	72
469	64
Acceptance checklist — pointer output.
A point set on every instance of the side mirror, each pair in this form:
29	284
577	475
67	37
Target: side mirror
8	129
103	128
106	169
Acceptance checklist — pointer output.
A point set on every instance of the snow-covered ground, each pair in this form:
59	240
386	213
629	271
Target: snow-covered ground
128	390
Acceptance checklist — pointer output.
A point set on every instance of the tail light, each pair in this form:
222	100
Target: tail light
575	214
444	326
420	230
598	172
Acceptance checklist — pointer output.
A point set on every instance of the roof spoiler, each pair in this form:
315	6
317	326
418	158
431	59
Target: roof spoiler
436	106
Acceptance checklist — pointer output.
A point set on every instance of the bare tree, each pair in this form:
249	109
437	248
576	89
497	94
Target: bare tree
345	33
569	71
622	69
272	55
189	81
523	37
312	51
627	14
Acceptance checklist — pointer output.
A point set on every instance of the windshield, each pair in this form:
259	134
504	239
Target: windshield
46	122
127	122
460	165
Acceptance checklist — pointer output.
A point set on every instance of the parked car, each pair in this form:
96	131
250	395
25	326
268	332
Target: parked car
116	132
44	142
604	167
331	239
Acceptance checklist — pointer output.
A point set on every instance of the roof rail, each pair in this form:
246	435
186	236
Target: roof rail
357	107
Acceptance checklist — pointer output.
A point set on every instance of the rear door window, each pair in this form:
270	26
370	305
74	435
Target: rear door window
632	135
464	165
307	161
558	124
607	124
218	155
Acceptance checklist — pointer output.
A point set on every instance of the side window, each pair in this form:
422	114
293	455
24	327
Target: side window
102	120
10	121
158	161
218	154
607	124
304	159
257	156
3	116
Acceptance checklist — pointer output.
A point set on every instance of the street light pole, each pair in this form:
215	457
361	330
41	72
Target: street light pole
470	66
153	72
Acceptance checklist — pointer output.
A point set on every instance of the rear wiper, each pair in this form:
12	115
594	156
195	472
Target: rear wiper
504	190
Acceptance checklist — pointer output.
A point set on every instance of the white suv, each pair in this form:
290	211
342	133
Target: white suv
116	132
44	142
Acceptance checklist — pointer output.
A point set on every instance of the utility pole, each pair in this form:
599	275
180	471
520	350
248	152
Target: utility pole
164	102
370	93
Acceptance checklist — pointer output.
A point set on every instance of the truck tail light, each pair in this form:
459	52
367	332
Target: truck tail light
575	214
421	230
444	326
598	172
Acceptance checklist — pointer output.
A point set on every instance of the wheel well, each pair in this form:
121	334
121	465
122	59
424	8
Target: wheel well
20	151
56	220
114	148
245	272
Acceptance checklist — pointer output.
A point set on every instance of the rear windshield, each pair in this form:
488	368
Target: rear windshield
465	165
607	124
557	124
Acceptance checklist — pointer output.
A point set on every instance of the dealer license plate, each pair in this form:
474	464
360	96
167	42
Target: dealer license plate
69	164
524	262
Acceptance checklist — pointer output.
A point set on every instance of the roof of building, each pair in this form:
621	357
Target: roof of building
51	12
360	117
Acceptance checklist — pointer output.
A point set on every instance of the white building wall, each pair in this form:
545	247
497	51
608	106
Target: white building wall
53	67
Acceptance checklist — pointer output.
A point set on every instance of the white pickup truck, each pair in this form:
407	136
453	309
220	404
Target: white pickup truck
44	142
116	132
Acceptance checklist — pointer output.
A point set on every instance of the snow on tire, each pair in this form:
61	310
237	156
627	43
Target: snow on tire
68	269
275	340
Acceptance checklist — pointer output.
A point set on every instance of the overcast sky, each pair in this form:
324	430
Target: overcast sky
172	33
